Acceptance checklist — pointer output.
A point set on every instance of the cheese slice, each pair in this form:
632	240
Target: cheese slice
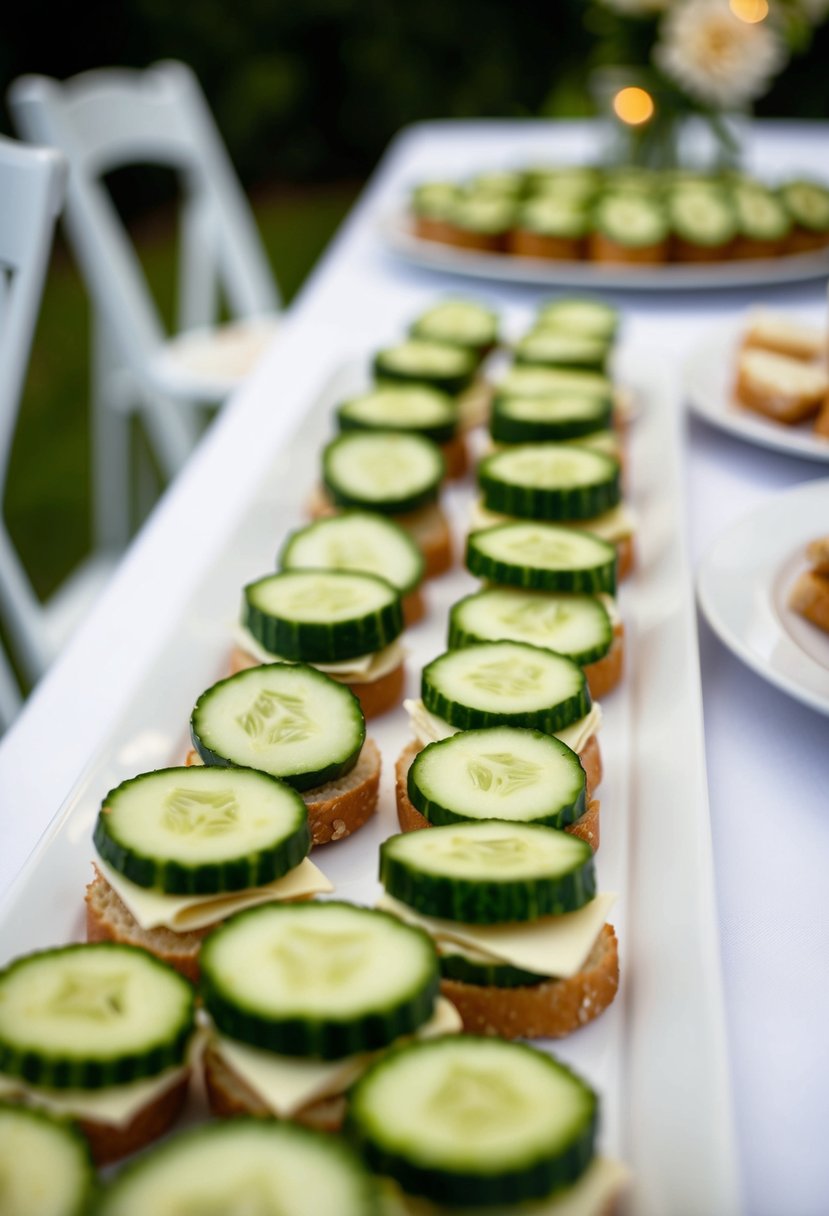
591	1195
429	728
154	909
360	670
552	945
614	525
288	1083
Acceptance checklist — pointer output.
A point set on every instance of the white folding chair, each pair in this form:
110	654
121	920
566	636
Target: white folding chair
32	182
103	120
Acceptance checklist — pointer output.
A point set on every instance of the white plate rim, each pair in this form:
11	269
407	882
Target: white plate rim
788	511
706	374
396	232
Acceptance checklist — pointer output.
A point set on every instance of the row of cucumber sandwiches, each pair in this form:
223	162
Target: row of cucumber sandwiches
207	951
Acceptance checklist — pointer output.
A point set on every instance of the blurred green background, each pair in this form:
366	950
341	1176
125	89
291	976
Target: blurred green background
307	96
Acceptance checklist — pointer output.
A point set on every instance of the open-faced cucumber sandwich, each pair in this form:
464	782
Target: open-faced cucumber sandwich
396	474
301	997
45	1165
415	408
345	623
557	483
180	849
549	586
296	723
477	1125
524	947
101	1034
247	1167
458	322
505	684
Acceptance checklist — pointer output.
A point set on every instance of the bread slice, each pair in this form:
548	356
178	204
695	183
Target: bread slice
785	389
779	333
822	420
602	248
456	456
606	672
549	1010
428	528
810	597
817	554
375	696
229	1095
108	1142
524	242
339	807
586	828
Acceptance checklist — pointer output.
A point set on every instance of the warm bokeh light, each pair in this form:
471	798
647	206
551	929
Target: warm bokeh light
633	105
750	11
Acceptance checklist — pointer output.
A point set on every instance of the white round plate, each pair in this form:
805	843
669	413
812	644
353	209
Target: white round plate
397	232
709	380
743	586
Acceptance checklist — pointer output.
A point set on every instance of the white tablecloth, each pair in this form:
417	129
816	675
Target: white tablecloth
768	759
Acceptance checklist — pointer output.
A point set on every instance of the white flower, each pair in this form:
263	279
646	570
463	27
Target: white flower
714	56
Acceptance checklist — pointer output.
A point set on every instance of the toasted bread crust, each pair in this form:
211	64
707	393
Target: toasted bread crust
626	560
552	1009
108	919
689	251
229	1095
411	820
414	607
375	696
759	389
110	1143
526	243
606	672
809	596
456	455
602	249
817	552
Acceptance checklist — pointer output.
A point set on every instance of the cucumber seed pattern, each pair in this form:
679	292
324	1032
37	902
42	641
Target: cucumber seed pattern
504	851
475	1099
506	677
320	600
91	997
503	774
275	718
313	960
200	812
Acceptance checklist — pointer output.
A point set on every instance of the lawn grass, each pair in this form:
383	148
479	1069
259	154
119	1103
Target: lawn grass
47	503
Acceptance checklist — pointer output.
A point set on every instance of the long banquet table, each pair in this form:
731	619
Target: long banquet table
767	755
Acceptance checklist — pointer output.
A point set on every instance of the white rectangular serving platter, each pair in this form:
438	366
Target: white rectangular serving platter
658	1056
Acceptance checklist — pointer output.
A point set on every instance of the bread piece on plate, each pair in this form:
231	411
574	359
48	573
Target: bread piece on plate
822	420
785	389
783	335
810	597
817	553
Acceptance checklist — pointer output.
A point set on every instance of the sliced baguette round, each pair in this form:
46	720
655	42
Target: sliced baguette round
229	1095
809	597
785	389
375	696
549	1010
586	827
606	672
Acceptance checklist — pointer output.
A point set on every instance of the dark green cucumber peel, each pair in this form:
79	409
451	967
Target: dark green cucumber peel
600	577
487	975
201	877
67	1069
461	633
318	641
327	1038
506	425
538	1177
439	430
213	752
486	901
453	382
392	504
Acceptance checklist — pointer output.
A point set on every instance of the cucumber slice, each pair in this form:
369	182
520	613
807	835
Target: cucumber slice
382	470
318	979
461	323
631	220
525	381
549	481
293	722
474	1121
86	1017
503	182
356	540
489	873
702	215
244	1167
543	557
577	626
761	216
487	214
551	215
485	973
448	368
548	419
201	831
503	773
323	616
554	348
45	1166
808	204
402	408
434	200
505	684
593	318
